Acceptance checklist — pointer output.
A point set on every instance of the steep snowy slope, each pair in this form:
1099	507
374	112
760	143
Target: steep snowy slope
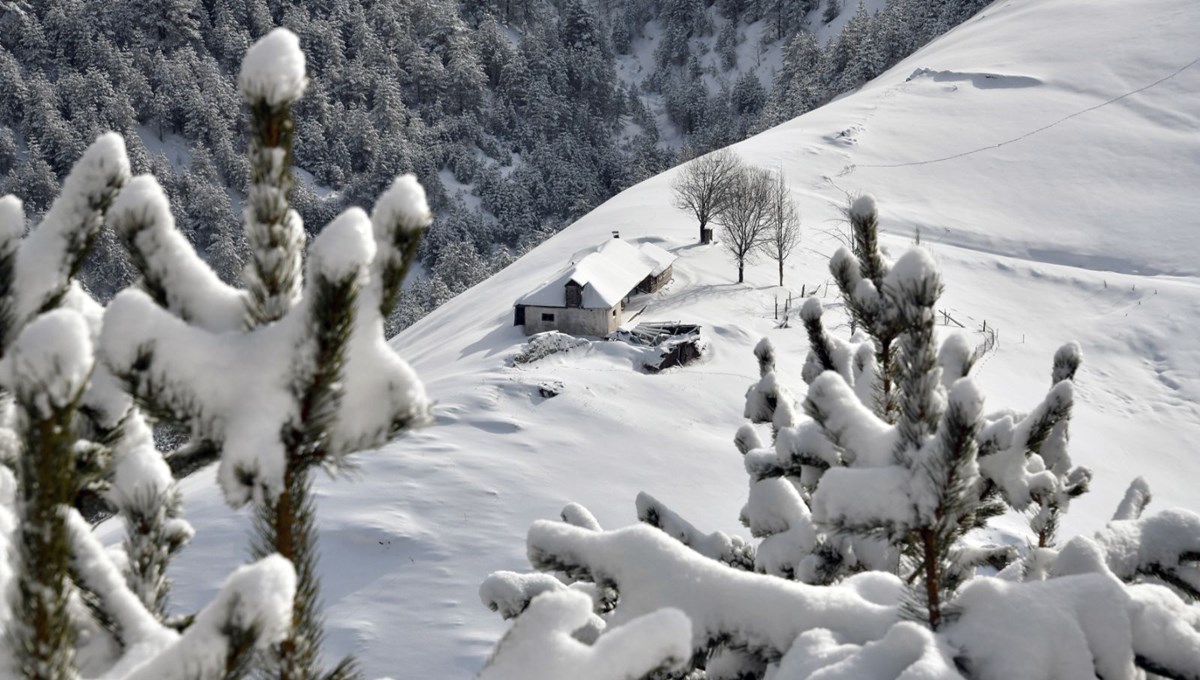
1075	219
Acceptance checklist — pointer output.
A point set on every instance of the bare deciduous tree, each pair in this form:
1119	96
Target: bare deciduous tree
783	223
703	186
745	215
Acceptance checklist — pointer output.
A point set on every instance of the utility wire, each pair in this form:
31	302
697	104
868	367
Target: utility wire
1165	78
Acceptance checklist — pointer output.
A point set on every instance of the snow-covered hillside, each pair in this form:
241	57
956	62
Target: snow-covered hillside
1058	209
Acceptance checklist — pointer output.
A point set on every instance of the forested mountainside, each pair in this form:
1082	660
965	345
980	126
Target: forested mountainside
518	116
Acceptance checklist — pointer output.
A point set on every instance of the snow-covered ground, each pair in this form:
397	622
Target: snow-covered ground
1084	230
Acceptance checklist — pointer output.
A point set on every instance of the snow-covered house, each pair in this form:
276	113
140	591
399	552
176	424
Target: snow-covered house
588	297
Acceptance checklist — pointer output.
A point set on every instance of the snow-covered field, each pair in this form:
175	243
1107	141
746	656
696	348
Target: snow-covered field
1084	230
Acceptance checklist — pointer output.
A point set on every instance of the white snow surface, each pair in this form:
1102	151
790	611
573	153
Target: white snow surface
1084	231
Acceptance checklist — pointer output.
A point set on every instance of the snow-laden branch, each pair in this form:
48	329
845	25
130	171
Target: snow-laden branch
1164	547
1137	497
400	216
172	273
252	612
651	571
55	250
1088	625
1009	457
540	645
731	550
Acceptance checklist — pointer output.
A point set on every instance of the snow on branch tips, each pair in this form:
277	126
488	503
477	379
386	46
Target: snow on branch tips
859	273
72	441
291	373
273	70
251	613
400	217
49	364
71	411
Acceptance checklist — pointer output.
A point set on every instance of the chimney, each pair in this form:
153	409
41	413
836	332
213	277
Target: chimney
616	234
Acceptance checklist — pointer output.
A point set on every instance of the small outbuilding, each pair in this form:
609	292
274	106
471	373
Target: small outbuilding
588	297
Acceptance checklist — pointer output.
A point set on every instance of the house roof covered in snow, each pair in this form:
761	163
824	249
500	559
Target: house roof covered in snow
607	275
659	258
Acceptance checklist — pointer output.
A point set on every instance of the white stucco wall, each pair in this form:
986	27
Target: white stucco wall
595	322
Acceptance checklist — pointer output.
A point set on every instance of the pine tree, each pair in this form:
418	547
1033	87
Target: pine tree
74	444
859	274
311	341
748	94
727	45
950	461
171	22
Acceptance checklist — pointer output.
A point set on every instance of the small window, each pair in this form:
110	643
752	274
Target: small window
614	311
547	317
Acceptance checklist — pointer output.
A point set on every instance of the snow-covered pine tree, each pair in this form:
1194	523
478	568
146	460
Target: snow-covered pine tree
70	438
859	273
923	499
889	504
291	373
1072	481
948	460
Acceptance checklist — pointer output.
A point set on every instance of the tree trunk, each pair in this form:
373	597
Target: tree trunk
703	232
741	278
932	594
781	273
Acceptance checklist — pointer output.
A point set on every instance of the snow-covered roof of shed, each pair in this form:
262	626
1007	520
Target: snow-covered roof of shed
607	275
659	258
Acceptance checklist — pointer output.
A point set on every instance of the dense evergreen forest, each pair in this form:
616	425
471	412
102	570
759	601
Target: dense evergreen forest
518	116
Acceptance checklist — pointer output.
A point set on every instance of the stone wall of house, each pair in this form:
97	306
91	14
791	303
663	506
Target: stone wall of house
574	321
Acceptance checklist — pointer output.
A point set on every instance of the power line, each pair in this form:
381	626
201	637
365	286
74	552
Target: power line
1031	133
